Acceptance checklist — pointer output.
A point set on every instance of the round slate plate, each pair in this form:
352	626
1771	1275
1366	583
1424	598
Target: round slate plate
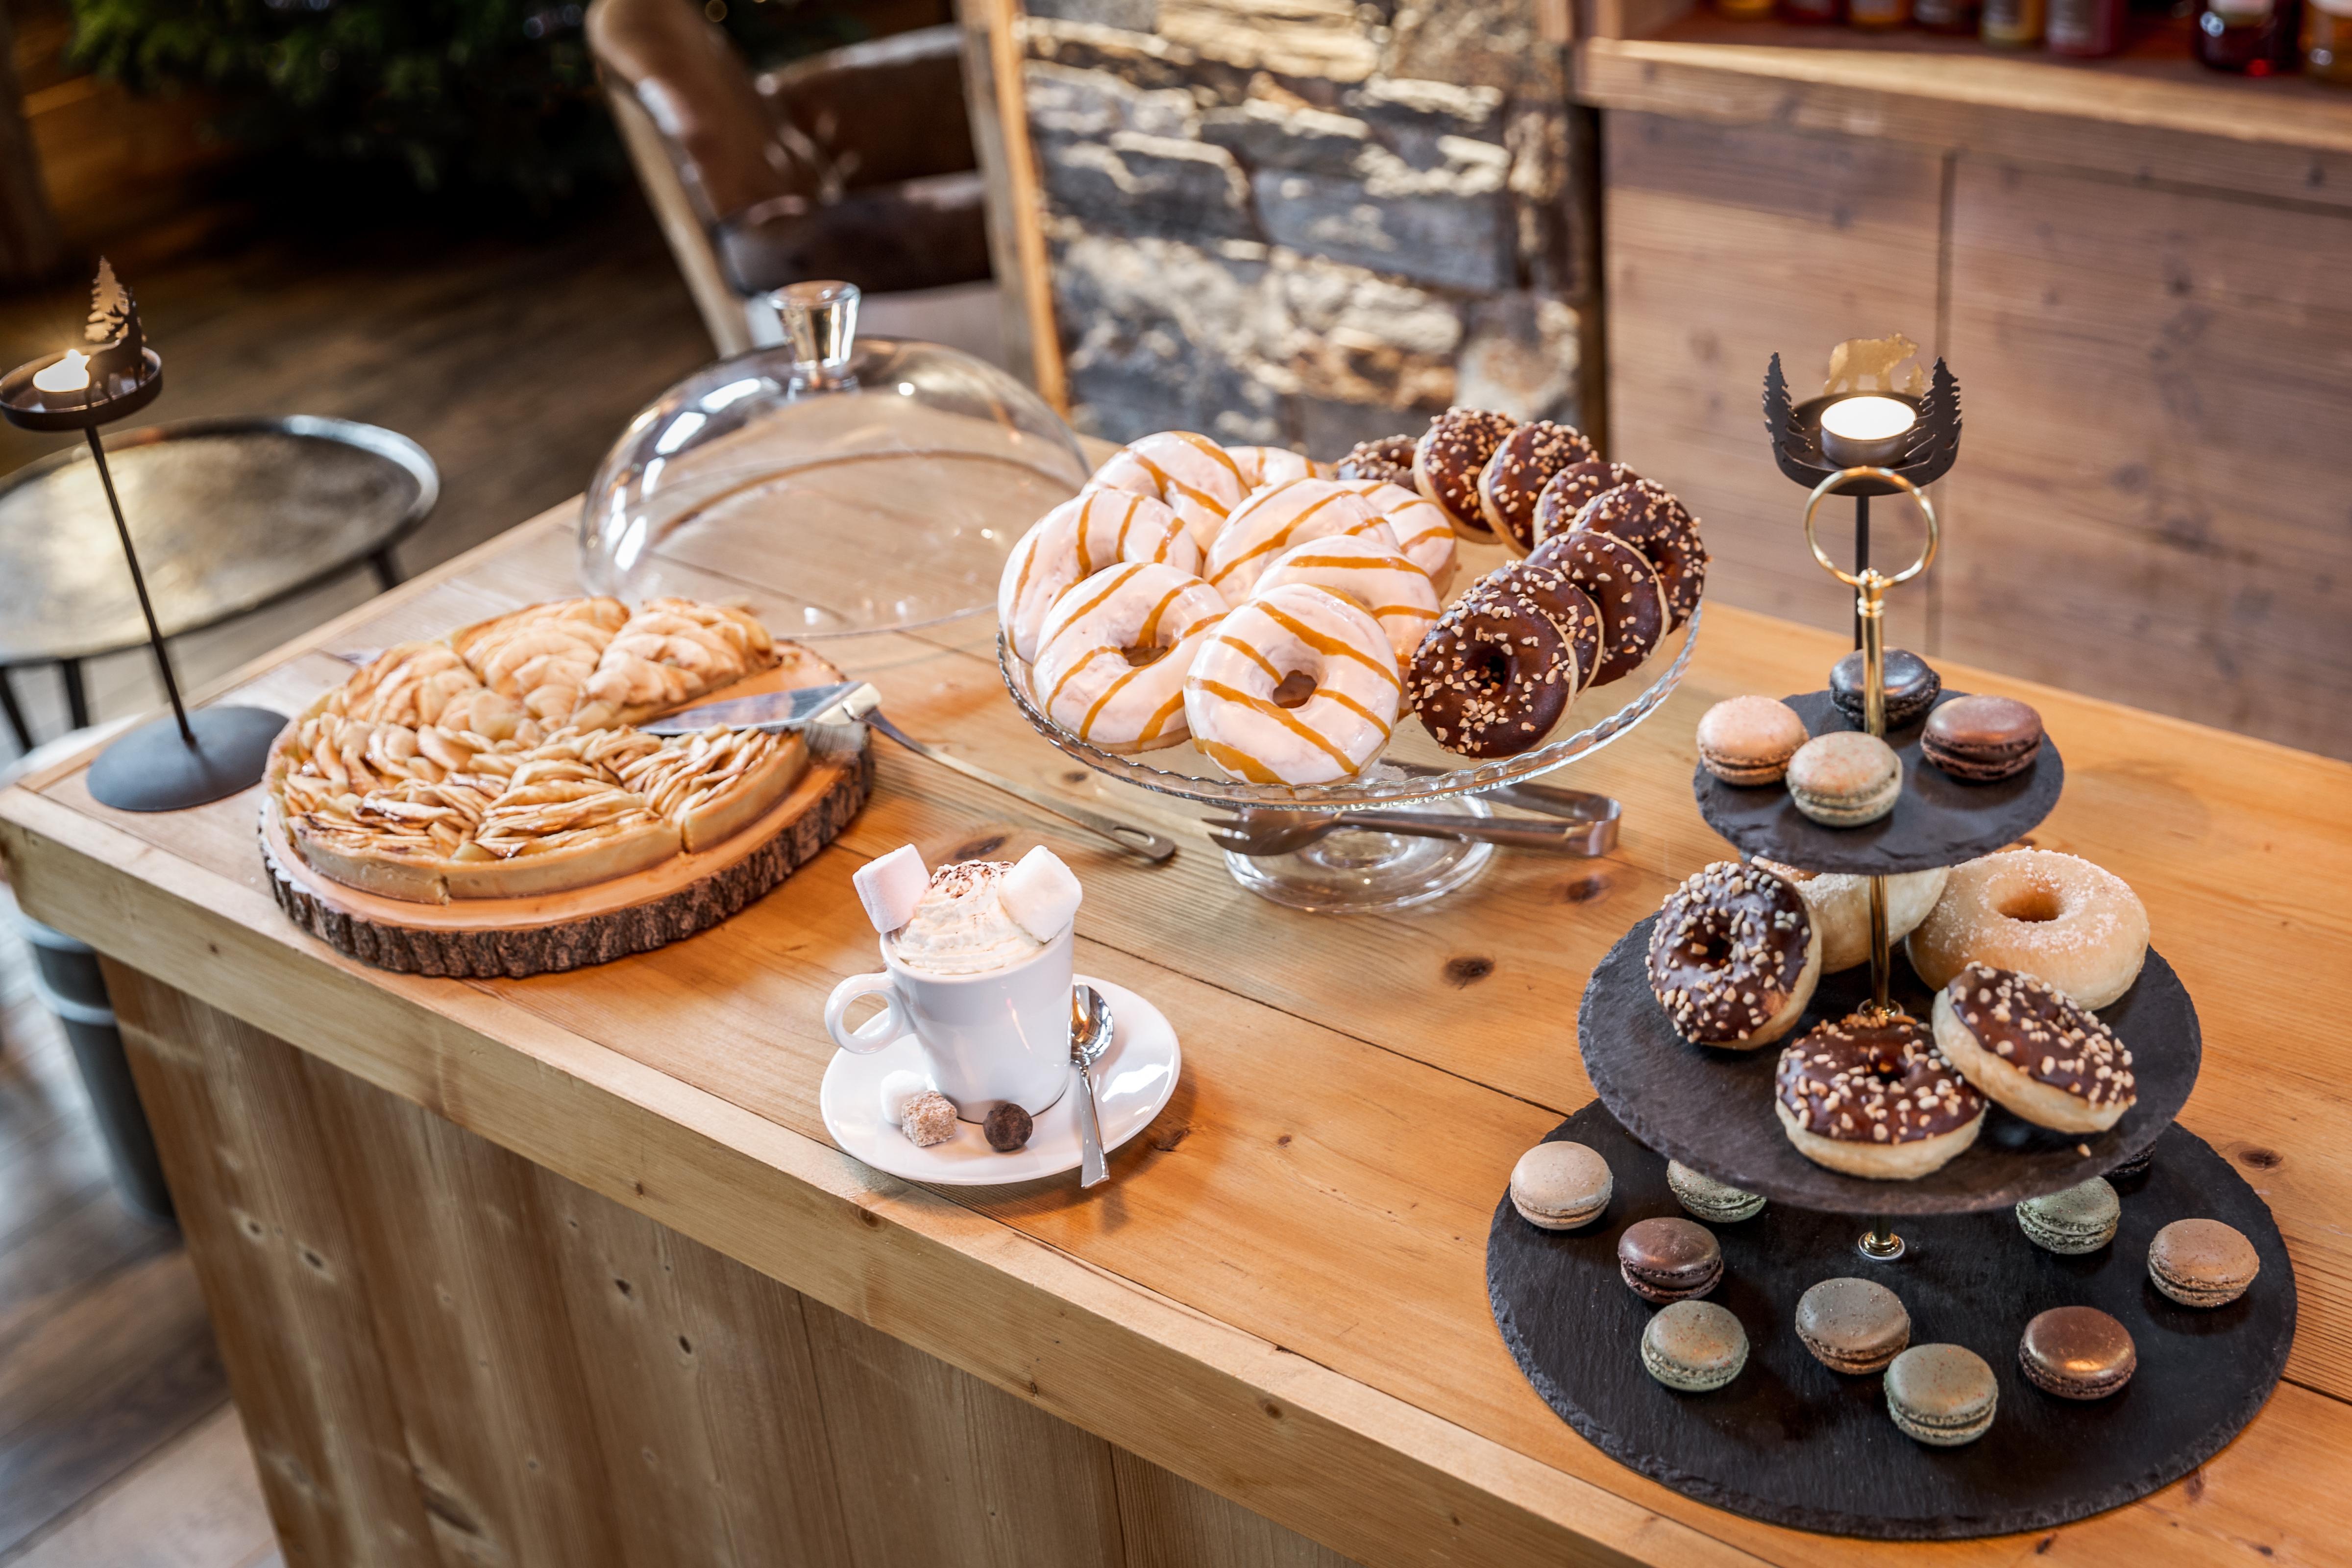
1712	1108
1793	1443
1938	821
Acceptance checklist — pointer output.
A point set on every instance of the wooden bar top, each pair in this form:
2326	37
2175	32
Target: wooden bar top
1281	1293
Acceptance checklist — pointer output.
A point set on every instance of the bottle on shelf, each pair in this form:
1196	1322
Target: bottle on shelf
2087	27
2256	37
1875	15
2328	40
2013	24
1946	15
1816	12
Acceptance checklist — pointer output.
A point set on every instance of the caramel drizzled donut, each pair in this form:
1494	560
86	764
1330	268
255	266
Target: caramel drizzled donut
1280	516
1871	1096
1652	521
1423	530
2026	1044
1571	490
1623	586
1449	458
1095	529
1734	956
1263	466
1569	607
1516	475
1493	677
1190	472
1234	693
1112	655
1388	459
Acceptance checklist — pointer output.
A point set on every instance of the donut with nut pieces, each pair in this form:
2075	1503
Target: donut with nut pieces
1449	458
1869	1095
1491	678
1735	956
2025	1043
1516	475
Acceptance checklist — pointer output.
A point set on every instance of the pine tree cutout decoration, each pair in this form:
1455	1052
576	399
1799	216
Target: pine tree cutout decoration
110	305
114	327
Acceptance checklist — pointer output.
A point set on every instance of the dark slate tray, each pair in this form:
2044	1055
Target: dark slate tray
1790	1442
1939	821
1712	1108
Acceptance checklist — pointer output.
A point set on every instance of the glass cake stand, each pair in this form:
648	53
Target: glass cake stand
1356	872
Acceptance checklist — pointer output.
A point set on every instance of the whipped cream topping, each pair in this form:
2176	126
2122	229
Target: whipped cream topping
960	925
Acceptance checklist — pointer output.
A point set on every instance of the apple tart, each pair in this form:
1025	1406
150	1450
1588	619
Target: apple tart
503	761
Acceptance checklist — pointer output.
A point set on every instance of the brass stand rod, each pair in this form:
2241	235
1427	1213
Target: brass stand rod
1869	615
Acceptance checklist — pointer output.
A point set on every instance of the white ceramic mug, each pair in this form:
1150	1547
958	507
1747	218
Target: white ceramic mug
1002	1034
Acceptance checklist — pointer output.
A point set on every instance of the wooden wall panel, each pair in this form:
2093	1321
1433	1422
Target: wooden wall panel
1169	1522
2159	402
1725	245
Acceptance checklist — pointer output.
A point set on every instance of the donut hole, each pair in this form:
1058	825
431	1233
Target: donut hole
2030	905
1149	653
1294	690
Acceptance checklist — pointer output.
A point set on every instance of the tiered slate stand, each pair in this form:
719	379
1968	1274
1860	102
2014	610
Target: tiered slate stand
1789	1440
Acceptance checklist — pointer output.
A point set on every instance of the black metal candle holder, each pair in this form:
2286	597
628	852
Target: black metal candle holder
1930	449
194	757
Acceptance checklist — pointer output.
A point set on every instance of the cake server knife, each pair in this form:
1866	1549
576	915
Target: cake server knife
771	710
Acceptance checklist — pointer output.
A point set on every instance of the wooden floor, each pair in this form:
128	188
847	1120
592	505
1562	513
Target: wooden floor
515	363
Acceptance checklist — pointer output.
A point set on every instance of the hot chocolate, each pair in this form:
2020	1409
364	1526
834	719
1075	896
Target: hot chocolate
960	925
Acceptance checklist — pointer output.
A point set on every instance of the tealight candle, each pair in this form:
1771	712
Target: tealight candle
1866	432
70	373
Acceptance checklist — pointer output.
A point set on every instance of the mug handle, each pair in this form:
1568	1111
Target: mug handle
876	1031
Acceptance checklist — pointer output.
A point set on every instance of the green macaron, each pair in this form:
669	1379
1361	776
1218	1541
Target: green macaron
1717	1202
1845	778
1694	1346
2078	1220
1942	1396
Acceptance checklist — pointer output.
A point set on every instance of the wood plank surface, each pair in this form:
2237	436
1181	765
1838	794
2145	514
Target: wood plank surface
1280	1297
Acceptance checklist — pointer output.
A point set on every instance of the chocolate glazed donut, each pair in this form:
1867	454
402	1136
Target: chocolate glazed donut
1449	458
1735	956
1490	681
1623	586
1516	475
1572	610
1388	459
1652	521
1571	490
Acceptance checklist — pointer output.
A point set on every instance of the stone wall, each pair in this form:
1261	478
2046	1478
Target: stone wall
1307	222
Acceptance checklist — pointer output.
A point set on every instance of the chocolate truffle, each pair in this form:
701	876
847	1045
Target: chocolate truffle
1007	1128
2076	1352
1669	1259
1979	740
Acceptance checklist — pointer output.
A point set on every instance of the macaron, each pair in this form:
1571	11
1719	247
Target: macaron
1709	1199
1912	687
2078	1220
1845	779
2076	1352
2200	1262
1978	740
1749	740
1853	1326
1694	1346
1942	1396
1561	1185
2131	1170
1669	1259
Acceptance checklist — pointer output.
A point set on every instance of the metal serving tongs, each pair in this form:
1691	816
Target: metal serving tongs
858	702
1601	811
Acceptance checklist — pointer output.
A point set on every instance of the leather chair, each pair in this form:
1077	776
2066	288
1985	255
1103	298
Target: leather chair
855	163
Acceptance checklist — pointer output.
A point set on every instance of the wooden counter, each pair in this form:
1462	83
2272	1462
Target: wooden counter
565	1271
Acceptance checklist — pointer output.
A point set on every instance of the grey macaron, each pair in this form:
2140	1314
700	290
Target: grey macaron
1853	1326
1694	1346
2078	1220
1561	1185
2202	1262
1845	778
1719	1202
1942	1396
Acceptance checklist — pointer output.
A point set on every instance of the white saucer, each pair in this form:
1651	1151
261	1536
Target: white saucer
1133	1078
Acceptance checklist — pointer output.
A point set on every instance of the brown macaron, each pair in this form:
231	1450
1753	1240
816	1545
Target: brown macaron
1748	741
1980	739
2077	1352
1668	1259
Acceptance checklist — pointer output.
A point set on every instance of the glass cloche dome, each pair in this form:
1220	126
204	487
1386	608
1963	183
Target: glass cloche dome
874	485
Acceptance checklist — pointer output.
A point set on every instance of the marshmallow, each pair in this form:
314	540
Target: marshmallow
891	886
1041	894
897	1088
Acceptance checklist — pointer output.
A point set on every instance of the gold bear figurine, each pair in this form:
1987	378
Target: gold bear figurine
1868	365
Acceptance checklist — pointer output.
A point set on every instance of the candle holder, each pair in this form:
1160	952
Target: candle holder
193	757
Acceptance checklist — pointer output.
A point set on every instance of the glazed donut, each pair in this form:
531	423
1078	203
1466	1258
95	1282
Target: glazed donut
1369	575
1869	1095
1423	536
2054	916
1095	529
1235	697
1449	458
1839	905
1493	677
1516	475
1388	459
1623	586
2024	1042
1734	957
1652	521
1280	516
1112	656
1263	466
1190	472
1569	607
1571	490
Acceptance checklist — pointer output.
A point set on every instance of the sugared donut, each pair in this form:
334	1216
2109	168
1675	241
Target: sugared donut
1095	529
1242	716
1734	956
1388	459
1423	535
1263	466
1840	902
1623	586
2078	927
1491	678
2025	1043
1112	656
1190	472
1871	1096
1569	607
1652	521
1280	516
1571	490
1516	475
1360	569
1449	458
